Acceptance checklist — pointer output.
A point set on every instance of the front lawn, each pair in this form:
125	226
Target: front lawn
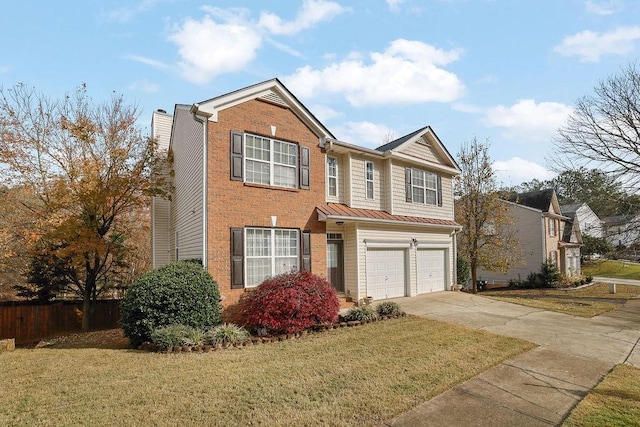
613	403
351	376
610	268
587	301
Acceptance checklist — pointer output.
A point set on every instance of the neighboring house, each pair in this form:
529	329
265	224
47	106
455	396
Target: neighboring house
622	231
590	223
261	187
544	235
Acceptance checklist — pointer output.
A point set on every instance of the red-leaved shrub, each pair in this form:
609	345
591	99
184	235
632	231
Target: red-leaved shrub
291	302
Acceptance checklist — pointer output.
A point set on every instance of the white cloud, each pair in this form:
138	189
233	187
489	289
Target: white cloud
204	47
515	171
364	134
406	73
125	14
603	7
311	13
589	46
148	61
394	5
144	86
324	113
528	121
4	69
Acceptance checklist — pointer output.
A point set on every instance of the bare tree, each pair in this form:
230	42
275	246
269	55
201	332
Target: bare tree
603	132
488	238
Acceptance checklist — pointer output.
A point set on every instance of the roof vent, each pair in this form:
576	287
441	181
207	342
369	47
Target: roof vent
274	98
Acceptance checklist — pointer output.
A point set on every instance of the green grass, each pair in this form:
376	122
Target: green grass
351	376
615	402
610	268
585	302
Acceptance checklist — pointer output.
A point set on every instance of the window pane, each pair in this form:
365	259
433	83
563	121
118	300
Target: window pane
332	166
418	195
431	198
258	269
286	265
284	176
257	172
369	172
369	189
257	148
417	178
285	153
258	242
430	180
333	187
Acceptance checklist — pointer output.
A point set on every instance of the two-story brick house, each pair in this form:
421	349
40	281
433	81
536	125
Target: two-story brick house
262	187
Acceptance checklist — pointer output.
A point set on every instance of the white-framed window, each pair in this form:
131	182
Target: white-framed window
552	227
368	177
332	176
270	162
424	187
269	252
553	257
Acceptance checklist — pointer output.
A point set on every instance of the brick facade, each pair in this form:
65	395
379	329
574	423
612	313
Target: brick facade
237	204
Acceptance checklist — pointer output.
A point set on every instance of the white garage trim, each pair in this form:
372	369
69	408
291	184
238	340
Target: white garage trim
398	244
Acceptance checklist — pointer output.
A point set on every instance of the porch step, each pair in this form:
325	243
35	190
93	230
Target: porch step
346	302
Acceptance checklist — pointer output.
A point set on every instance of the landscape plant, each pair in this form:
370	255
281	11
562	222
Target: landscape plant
226	333
389	308
361	313
290	303
179	293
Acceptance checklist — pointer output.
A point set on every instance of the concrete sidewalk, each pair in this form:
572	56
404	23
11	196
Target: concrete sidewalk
537	388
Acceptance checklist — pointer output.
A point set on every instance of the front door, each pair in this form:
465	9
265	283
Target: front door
335	270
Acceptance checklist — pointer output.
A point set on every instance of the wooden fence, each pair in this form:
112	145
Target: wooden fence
30	323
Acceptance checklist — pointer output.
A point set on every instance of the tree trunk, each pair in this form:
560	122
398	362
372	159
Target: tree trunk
87	300
474	275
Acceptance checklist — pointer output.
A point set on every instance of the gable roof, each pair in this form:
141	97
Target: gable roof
272	91
539	200
426	133
570	209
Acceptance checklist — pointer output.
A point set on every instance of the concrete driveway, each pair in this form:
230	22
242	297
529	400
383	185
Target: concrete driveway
537	388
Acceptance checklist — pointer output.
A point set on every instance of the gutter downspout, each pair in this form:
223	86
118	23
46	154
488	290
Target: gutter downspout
203	122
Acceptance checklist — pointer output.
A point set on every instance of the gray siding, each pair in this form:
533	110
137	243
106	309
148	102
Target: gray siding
160	208
187	202
530	232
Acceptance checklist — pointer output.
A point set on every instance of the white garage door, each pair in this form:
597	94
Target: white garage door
386	273
431	270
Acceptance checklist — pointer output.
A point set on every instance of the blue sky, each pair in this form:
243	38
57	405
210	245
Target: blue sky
504	70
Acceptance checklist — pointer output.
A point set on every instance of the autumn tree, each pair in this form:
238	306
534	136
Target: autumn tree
88	166
488	237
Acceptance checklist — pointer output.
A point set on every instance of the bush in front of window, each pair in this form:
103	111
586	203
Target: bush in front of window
291	302
181	293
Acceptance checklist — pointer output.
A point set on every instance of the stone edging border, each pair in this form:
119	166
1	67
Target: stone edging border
256	340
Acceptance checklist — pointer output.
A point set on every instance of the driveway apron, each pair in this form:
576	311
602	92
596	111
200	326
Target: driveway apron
539	387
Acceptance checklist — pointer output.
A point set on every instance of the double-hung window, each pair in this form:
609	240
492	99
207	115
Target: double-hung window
552	227
424	187
332	176
270	162
369	179
270	252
